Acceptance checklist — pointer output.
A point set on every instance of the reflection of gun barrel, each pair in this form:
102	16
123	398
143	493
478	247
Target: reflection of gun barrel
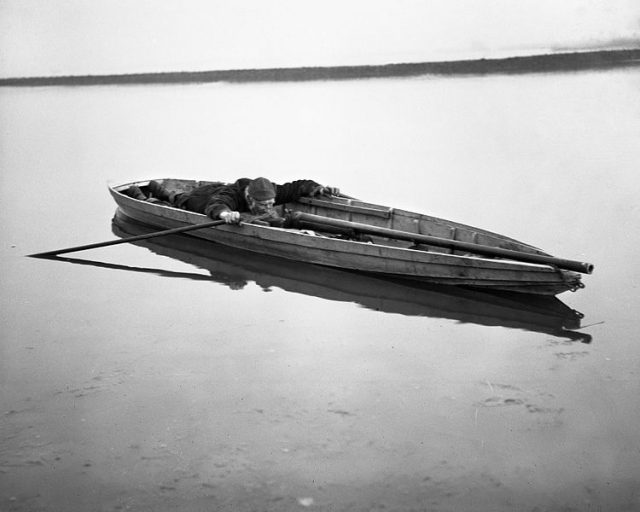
300	219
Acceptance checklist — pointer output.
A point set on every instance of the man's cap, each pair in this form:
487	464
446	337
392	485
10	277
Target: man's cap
261	189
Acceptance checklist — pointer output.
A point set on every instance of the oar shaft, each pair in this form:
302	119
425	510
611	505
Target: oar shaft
173	231
577	266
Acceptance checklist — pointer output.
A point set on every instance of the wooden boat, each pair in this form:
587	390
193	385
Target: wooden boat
237	268
352	234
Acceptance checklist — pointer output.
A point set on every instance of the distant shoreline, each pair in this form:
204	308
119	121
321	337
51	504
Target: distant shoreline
574	61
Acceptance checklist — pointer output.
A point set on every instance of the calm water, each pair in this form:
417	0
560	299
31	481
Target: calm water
156	380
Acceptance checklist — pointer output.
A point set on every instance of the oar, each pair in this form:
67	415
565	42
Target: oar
318	221
155	234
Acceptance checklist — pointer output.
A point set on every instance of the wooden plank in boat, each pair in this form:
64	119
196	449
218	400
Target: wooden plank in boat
347	206
464	235
428	227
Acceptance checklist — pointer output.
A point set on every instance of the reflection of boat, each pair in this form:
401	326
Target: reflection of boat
375	239
235	268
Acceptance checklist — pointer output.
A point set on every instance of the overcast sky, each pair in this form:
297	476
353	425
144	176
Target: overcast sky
54	37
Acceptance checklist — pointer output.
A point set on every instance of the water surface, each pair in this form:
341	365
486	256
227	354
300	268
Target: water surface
200	386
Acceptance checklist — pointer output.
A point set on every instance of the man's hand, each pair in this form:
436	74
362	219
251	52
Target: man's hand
325	191
230	217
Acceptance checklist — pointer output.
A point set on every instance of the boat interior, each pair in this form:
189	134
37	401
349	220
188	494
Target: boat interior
358	211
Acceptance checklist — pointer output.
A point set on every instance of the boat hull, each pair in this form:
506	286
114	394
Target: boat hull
376	256
236	268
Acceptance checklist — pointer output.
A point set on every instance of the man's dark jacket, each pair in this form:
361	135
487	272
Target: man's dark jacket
217	197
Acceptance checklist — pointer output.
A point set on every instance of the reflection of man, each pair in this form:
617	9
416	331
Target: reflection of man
258	196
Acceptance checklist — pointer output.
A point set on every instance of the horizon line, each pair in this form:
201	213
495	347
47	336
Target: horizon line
536	63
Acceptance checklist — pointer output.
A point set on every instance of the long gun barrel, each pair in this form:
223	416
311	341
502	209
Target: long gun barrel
317	221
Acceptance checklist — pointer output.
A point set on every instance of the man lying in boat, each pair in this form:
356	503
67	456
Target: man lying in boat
257	197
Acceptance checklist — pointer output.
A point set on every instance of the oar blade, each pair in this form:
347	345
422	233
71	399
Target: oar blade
172	231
